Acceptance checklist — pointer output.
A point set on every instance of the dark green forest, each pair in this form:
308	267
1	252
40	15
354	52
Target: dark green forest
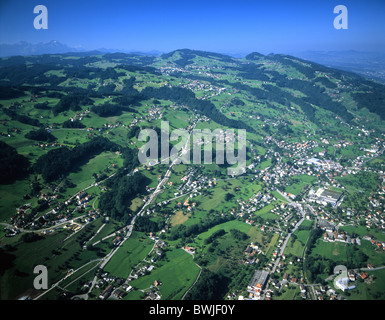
13	166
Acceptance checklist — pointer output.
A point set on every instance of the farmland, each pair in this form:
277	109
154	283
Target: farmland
75	198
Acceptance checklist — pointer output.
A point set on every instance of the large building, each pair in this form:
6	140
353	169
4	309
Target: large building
257	283
343	284
325	196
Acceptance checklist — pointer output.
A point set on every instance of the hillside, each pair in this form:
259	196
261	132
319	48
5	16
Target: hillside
74	190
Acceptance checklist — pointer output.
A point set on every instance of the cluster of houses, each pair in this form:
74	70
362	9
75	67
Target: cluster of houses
117	288
378	244
190	69
149	263
372	216
333	234
251	253
83	198
113	287
154	113
297	149
196	85
336	236
56	215
254	203
79	115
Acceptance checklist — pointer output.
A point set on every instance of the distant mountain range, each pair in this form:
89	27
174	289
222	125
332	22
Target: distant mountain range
24	48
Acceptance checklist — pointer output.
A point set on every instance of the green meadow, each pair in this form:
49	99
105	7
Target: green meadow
176	273
133	251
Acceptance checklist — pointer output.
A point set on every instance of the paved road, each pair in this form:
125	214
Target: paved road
289	234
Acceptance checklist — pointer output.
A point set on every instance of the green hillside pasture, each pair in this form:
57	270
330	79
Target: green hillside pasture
212	125
331	250
373	291
291	292
11	197
298	183
109	227
352	151
255	235
265	213
74	281
227	226
278	196
29	148
295	247
215	200
83	177
176	273
363	182
225	256
179	218
71	136
359	187
377	162
376	256
340	252
178	119
264	164
133	250
362	230
52	252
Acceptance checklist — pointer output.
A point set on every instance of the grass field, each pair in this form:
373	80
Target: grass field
179	218
83	177
54	251
11	197
298	183
340	252
176	274
373	290
134	250
227	226
289	293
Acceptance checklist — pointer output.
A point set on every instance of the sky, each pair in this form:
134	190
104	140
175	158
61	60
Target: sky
226	26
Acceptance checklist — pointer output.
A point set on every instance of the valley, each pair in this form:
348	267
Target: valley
75	198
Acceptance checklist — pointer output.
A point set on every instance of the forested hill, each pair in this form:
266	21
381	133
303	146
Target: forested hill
281	75
315	80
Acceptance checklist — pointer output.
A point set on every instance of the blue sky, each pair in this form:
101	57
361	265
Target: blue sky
230	26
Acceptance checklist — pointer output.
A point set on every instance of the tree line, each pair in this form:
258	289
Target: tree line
122	189
13	166
58	162
182	231
187	97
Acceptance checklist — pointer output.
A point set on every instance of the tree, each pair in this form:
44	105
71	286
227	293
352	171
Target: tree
13	166
40	135
210	286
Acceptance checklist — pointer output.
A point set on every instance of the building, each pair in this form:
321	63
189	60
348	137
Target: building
314	161
106	293
325	196
343	284
257	283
